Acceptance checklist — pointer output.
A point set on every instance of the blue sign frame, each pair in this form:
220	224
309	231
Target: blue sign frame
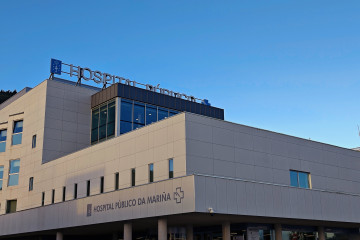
55	66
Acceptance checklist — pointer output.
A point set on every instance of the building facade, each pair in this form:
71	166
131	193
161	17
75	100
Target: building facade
79	162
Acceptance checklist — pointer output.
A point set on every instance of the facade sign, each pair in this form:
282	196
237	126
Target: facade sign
176	196
106	78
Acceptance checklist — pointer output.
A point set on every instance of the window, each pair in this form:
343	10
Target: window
133	177
88	188
3	134
33	145
75	191
101	184
103	122
139	115
300	179
11	206
14	172
64	194
162	113
126	116
17	132
171	168
116	181
31	183
151	172
43	199
1	176
53	196
151	114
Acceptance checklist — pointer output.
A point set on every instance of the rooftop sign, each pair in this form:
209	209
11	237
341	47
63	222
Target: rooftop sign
56	67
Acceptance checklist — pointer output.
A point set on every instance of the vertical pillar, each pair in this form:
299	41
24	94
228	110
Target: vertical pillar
278	231
59	236
162	229
128	231
189	232
226	231
115	236
321	233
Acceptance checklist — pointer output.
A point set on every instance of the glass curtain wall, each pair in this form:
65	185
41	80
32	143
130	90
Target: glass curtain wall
103	122
133	115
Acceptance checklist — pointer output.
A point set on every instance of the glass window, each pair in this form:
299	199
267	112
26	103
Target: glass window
31	183
95	125
299	179
33	145
116	181
64	194
1	176
43	199
151	114
101	184
151	172
11	206
171	168
111	120
303	180
17	133
125	127
88	188
14	172
126	110
294	178
75	191
162	113
139	113
3	134
172	113
133	177
102	122
53	196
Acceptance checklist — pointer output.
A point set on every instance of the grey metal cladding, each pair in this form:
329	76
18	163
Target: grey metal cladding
154	98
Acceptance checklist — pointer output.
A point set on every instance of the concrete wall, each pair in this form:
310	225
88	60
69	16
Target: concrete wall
74	213
226	149
67	119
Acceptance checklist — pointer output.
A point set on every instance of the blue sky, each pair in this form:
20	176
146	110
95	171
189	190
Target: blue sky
286	66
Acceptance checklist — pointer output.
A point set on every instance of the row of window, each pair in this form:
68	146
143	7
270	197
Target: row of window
16	136
88	183
133	115
14	170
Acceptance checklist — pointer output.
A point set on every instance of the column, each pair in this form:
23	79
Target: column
128	231
278	231
59	236
189	232
321	233
226	231
162	229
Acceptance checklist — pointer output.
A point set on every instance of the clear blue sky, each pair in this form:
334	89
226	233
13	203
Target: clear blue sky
286	66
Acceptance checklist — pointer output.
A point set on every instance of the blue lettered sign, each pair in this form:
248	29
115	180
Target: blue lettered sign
55	66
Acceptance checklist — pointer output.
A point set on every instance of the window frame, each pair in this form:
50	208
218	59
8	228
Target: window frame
298	179
17	133
33	141
14	174
151	172
3	141
132	177
1	176
171	168
31	184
